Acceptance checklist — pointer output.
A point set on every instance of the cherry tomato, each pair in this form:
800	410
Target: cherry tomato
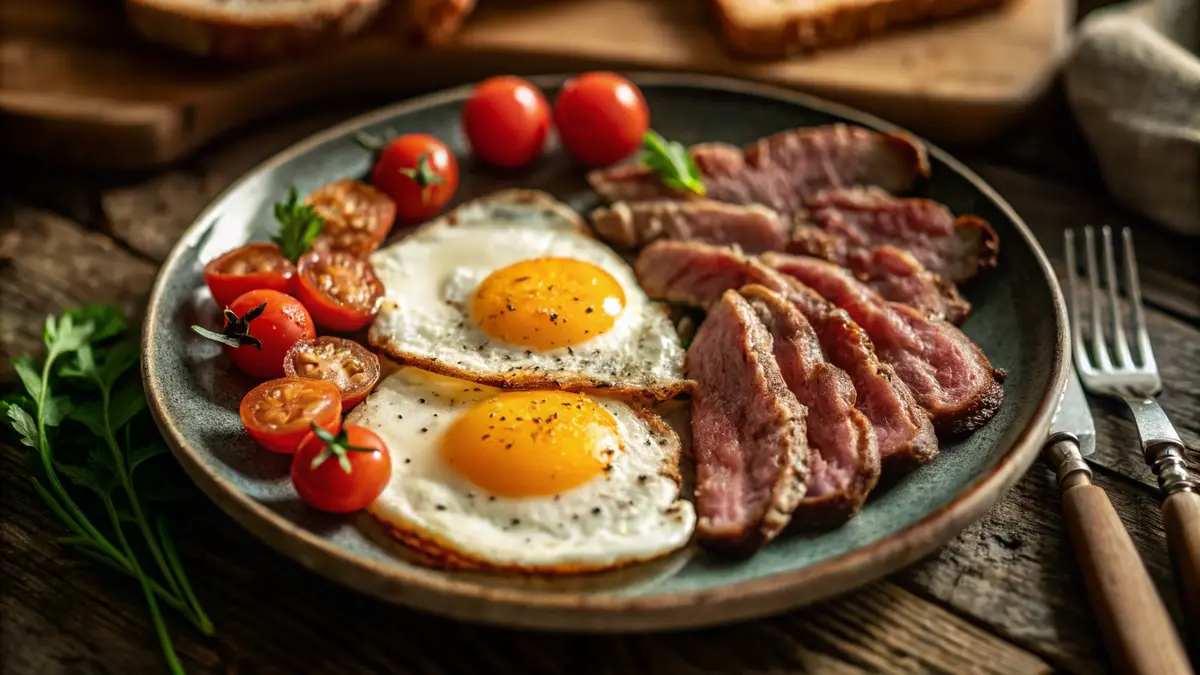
601	118
343	362
260	327
341	473
419	173
278	414
506	121
251	267
340	290
357	216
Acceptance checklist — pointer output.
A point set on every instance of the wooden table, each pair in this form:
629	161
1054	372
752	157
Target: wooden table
1003	597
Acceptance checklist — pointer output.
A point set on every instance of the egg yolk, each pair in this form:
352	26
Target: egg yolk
548	303
532	443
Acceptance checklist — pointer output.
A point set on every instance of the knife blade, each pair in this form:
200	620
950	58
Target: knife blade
1075	417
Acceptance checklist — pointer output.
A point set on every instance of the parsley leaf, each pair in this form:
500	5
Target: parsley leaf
299	227
672	162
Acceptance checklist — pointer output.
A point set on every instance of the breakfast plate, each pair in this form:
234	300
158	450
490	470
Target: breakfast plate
1018	320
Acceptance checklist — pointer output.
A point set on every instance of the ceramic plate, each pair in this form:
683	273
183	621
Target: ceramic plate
1018	319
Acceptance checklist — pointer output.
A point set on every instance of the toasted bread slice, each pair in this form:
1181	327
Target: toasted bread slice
249	29
777	28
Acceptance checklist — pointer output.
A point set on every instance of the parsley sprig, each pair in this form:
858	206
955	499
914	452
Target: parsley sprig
672	162
299	226
85	384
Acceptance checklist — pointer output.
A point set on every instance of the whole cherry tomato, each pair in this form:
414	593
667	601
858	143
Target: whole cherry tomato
341	472
340	290
260	327
248	268
357	216
343	362
601	118
419	173
506	121
278	414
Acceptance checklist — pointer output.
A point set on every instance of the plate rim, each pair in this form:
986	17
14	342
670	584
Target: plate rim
465	599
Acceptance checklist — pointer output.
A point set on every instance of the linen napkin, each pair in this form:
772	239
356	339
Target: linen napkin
1133	82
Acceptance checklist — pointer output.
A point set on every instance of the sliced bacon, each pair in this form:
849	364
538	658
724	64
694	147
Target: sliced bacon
837	223
948	374
748	432
843	460
698	274
753	228
781	171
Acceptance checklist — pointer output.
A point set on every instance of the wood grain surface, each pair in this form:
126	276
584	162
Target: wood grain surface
79	86
1006	596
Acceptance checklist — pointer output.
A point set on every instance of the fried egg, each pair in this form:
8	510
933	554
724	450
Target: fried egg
512	291
536	480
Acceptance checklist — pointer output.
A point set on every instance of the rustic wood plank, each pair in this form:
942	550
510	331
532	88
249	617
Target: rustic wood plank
47	264
1015	570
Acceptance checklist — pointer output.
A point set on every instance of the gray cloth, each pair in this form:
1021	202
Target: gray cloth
1133	82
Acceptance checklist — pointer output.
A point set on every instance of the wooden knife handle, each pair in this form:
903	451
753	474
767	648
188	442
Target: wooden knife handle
1181	517
1138	633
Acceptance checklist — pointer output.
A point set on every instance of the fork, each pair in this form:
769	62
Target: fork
1119	375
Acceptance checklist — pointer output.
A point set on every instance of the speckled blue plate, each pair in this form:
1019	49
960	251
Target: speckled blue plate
1018	319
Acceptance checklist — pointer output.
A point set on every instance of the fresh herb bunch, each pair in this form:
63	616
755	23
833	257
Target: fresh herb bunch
83	418
299	226
672	162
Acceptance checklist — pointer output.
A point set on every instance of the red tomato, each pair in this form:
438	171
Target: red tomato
341	473
357	216
506	121
340	290
601	118
278	414
260	327
343	362
419	173
251	267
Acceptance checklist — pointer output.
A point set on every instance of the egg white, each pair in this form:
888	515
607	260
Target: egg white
631	512
431	277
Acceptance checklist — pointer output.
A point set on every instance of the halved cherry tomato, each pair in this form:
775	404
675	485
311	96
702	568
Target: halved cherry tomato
248	268
343	472
343	362
357	216
278	414
506	121
340	290
419	173
601	118
260	327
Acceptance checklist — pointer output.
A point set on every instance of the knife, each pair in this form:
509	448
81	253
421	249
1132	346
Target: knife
1138	632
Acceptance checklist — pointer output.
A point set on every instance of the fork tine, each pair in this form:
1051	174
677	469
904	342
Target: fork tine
1120	344
1082	362
1099	349
1134	287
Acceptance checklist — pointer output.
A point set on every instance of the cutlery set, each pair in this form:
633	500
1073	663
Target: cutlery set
1138	632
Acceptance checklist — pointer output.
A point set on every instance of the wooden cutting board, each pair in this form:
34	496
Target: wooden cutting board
77	86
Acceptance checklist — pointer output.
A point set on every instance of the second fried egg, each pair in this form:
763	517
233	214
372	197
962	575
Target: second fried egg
512	291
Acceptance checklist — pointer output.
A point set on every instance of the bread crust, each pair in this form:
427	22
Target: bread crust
806	31
226	33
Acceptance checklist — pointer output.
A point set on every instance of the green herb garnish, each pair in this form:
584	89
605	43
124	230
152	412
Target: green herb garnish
299	227
672	162
84	419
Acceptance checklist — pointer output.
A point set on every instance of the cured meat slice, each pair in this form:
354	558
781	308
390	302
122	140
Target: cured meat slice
752	228
837	223
748	432
783	170
843	459
698	274
947	373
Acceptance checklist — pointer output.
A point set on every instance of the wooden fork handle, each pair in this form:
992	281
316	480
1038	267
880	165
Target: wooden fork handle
1139	635
1181	518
